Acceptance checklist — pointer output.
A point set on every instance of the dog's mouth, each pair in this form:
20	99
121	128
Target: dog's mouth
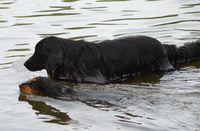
25	88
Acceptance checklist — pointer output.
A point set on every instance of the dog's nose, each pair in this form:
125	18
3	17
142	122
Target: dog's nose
26	64
33	65
21	85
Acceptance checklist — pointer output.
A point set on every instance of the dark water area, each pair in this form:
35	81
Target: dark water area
151	102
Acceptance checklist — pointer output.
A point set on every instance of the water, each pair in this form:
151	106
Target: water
167	102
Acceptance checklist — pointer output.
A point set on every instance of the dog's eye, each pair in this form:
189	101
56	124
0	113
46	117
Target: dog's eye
34	80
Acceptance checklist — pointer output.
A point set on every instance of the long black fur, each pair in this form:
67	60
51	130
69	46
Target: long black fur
107	61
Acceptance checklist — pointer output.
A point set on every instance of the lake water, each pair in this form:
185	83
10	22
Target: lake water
152	102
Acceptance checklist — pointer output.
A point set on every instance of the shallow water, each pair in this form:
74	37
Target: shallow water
167	102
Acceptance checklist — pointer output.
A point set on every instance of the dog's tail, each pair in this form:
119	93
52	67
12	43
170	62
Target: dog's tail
183	54
189	52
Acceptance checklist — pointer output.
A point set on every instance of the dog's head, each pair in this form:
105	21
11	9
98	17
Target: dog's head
45	87
48	53
33	86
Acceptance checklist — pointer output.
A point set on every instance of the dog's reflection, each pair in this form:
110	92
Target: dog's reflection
42	108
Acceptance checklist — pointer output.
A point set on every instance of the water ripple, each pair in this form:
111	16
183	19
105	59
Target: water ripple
51	34
3	21
7	3
57	8
52	14
7	63
97	7
111	0
101	23
23	44
144	18
22	24
177	22
18	50
190	5
81	37
69	0
1	8
13	56
152	101
192	12
79	28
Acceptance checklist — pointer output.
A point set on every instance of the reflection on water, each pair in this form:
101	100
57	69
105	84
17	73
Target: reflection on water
44	111
148	78
192	64
152	101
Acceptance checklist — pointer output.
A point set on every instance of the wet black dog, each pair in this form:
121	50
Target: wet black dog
107	61
44	86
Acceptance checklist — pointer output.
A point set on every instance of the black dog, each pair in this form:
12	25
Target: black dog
44	86
107	61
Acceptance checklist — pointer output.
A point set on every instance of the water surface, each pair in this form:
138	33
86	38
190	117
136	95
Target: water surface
167	102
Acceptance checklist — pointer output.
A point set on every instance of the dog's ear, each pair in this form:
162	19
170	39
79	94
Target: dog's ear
54	62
